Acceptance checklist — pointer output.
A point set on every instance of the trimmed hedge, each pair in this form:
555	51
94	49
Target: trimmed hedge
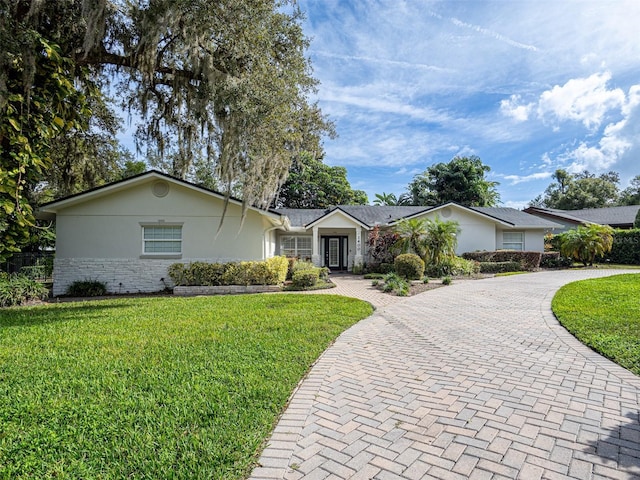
409	266
626	248
499	267
528	260
272	271
555	260
305	278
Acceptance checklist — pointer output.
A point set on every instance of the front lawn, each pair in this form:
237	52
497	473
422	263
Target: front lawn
604	314
180	388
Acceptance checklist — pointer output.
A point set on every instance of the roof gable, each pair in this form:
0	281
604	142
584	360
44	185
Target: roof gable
337	211
134	181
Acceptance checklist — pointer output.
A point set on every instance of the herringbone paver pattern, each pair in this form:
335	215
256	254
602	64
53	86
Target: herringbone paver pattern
476	380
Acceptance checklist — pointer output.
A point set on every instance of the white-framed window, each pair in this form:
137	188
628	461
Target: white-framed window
298	246
513	240
161	239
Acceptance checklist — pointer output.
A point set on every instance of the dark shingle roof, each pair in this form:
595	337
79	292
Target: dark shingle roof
614	216
373	214
515	217
608	216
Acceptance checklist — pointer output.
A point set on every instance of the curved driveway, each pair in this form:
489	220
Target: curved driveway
475	380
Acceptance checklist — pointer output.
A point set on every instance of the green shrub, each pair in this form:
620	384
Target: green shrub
305	278
409	266
272	271
87	288
302	265
500	267
456	266
446	280
278	268
18	289
395	283
291	261
555	260
382	268
323	273
425	279
625	249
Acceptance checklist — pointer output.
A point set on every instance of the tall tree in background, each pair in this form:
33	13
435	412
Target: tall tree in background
226	80
579	191
313	184
385	199
462	180
631	194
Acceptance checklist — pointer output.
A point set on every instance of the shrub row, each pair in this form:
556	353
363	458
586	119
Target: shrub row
272	271
18	289
499	267
456	266
626	248
527	260
555	260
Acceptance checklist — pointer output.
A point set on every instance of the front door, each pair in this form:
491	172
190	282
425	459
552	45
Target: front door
335	253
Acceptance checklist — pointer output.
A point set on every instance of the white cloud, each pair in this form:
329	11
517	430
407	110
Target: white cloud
619	146
516	179
512	108
585	100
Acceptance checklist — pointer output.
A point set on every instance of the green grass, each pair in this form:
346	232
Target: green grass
509	274
180	388
604	314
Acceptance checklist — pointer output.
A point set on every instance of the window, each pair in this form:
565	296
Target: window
513	241
296	246
162	239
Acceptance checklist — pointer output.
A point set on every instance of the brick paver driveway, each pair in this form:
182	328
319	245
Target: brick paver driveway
476	380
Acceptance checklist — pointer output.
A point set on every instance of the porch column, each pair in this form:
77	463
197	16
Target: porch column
315	252
357	259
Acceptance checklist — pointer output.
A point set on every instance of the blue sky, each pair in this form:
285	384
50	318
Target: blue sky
528	86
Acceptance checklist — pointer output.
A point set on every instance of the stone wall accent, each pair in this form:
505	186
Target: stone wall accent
224	290
120	275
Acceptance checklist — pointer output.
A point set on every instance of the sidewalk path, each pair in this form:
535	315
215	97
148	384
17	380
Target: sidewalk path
475	380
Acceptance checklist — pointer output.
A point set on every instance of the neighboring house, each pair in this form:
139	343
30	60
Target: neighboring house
616	217
127	233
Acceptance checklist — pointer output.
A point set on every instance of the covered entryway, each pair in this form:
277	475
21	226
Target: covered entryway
336	249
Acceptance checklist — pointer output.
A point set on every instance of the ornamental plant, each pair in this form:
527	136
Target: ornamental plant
585	243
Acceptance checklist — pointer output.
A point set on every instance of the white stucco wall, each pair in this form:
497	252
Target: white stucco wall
101	239
476	232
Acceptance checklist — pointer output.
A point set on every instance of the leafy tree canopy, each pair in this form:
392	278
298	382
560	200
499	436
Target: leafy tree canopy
582	190
462	180
631	194
227	81
313	184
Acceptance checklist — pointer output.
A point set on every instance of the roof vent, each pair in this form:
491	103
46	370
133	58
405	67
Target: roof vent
160	188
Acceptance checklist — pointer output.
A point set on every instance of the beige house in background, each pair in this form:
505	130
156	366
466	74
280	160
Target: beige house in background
126	234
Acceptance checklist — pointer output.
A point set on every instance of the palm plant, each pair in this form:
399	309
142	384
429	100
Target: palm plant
441	240
412	237
388	199
584	244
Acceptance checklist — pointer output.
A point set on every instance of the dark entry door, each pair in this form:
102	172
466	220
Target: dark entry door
335	252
